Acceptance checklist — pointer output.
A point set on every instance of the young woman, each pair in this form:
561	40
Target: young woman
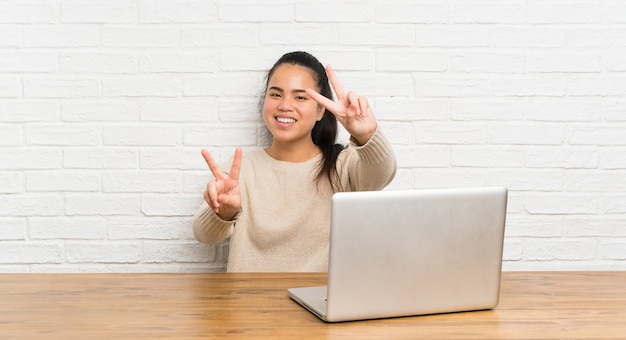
274	204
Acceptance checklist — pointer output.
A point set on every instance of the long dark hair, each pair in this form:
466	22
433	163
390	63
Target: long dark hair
324	133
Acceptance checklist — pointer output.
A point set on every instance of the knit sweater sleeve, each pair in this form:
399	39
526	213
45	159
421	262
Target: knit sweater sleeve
370	166
209	228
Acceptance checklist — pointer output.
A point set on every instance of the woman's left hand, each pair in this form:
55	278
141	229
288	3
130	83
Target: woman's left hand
352	111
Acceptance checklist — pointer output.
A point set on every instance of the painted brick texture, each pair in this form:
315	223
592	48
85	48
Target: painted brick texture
105	105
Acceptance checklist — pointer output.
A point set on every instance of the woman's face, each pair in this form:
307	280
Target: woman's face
289	113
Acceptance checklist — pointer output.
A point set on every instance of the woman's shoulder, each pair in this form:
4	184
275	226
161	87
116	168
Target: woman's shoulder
255	154
347	149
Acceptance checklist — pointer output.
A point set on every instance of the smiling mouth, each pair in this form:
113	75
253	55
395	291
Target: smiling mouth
285	120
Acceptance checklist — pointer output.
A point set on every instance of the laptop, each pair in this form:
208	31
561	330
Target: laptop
411	252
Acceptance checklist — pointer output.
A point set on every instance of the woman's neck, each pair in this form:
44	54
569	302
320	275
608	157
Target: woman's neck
293	153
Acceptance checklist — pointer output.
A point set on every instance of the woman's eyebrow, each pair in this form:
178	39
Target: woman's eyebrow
276	88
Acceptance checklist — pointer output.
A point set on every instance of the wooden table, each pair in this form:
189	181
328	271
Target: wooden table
547	305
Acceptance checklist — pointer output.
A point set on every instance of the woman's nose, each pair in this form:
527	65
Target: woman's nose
285	105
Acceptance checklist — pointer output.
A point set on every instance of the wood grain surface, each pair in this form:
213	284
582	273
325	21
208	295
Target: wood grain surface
533	305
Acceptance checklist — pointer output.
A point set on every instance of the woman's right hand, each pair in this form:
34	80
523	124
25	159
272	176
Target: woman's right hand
222	194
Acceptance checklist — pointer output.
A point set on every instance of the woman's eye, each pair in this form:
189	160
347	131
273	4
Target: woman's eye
300	98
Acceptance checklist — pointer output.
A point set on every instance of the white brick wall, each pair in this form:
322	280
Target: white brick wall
105	105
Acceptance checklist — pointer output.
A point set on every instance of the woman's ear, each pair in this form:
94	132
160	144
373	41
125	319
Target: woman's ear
320	112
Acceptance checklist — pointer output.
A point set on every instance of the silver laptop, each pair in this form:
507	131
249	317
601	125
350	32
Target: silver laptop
411	252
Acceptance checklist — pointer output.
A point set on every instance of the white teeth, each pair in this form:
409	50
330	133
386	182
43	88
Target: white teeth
285	120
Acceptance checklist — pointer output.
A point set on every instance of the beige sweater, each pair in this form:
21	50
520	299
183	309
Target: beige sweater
284	224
